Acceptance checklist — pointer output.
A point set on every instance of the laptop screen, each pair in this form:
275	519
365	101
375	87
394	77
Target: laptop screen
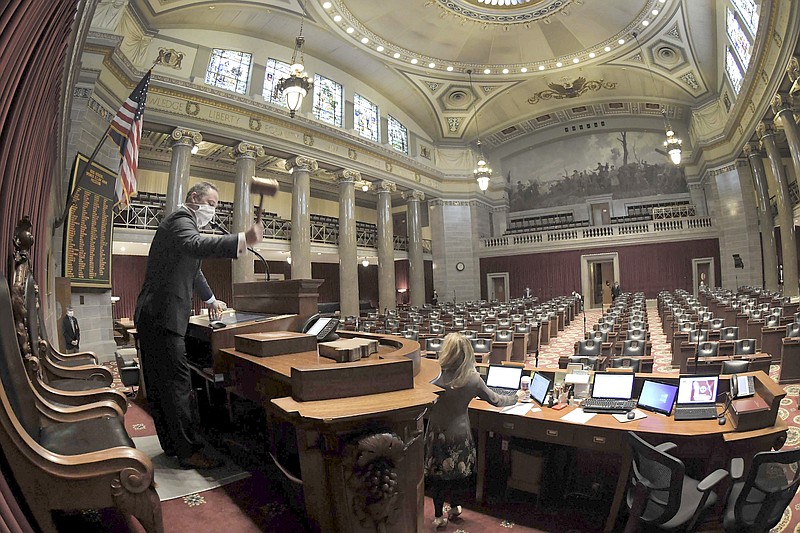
539	387
657	396
507	377
693	390
613	385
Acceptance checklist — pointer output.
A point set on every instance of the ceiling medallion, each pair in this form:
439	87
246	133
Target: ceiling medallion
570	89
505	11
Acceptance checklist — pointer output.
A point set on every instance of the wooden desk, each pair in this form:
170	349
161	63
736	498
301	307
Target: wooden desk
704	439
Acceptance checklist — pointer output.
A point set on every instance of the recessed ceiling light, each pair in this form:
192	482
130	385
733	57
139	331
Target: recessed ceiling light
337	18
121	248
364	40
523	69
396	55
559	64
607	48
414	61
655	12
621	41
541	67
432	65
212	7
645	23
449	69
576	60
350	29
379	49
487	71
505	71
592	55
326	5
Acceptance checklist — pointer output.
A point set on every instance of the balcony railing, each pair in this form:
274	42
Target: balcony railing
148	217
601	233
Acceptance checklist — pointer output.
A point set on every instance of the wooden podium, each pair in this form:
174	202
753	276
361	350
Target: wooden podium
289	296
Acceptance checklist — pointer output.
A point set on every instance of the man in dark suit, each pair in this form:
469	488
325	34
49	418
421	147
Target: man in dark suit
162	316
71	331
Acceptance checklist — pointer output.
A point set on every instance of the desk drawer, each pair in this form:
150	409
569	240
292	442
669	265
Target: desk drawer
513	426
604	440
562	434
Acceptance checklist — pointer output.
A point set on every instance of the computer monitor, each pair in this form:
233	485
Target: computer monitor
613	385
504	377
697	390
657	397
540	385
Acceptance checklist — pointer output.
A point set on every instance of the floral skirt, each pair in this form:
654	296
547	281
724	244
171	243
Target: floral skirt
448	457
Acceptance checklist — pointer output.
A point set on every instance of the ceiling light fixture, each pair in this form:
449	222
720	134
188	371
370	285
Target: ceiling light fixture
505	71
364	40
365	262
559	64
541	67
523	69
195	149
350	29
337	18
379	49
482	173
296	86
487	71
326	5
449	69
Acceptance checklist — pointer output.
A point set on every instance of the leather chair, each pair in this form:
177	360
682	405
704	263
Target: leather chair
488	328
772	321
637	334
587	362
410	334
757	502
504	335
729	333
504	323
436	329
598	336
744	347
708	349
391	324
634	363
661	494
522	328
128	367
716	324
433	347
793	329
700	335
686	326
636	324
470	334
797	316
633	348
482	348
589	347
735	366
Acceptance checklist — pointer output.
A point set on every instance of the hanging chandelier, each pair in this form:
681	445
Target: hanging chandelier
672	144
483	174
297	85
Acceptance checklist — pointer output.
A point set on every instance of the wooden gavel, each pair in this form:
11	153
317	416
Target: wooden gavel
262	186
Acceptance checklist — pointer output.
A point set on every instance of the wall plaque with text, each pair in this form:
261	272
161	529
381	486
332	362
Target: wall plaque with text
88	231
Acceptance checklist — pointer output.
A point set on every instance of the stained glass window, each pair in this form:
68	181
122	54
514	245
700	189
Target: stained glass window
365	117
275	71
748	10
328	100
739	39
733	71
398	134
229	69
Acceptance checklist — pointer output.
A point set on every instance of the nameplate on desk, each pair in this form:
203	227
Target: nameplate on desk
274	343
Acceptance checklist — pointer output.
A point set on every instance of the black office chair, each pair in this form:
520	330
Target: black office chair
522	328
636	324
698	335
772	321
637	335
588	362
504	335
433	346
686	326
410	334
634	363
589	347
716	324
661	494
128	367
482	348
729	333
470	334
488	328
708	349
598	336
756	504
735	366
503	322
797	317
793	330
744	347
436	329
633	348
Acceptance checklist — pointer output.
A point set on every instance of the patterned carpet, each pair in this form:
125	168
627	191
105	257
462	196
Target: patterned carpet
260	504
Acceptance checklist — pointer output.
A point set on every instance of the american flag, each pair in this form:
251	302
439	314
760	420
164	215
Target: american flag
126	132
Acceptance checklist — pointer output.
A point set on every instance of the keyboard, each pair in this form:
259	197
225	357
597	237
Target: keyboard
607	405
695	413
503	392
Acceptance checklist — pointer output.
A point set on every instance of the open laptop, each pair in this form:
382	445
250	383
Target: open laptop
697	398
540	385
611	393
504	380
657	397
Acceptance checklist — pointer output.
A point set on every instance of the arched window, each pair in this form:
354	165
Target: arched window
365	118
276	70
398	134
328	100
229	69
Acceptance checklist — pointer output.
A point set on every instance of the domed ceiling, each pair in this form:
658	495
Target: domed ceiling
533	63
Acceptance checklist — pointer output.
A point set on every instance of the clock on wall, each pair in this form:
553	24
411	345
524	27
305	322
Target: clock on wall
459	266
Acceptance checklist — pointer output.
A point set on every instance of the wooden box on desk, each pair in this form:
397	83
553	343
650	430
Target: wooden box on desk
751	413
274	343
348	350
360	378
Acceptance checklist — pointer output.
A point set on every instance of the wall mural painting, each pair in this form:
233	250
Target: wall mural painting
625	164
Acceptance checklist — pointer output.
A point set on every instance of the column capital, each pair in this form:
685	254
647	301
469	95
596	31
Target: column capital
186	137
247	150
779	104
384	186
414	196
347	176
793	71
765	129
300	162
752	150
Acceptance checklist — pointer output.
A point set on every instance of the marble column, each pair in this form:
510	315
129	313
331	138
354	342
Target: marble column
387	296
245	154
183	141
785	209
300	246
348	251
765	222
416	264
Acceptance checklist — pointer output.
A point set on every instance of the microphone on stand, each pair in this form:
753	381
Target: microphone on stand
217	225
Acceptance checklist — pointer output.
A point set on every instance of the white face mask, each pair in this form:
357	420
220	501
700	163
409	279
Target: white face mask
204	213
70	313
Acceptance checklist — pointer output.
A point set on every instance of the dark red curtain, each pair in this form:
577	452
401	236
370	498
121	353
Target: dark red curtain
127	276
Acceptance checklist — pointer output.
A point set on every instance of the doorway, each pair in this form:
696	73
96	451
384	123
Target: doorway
601	215
703	273
497	284
598	274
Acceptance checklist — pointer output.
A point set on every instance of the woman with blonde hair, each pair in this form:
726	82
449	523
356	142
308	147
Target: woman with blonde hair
449	449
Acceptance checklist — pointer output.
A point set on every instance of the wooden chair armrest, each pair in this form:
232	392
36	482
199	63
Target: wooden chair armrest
98	373
67	356
77	398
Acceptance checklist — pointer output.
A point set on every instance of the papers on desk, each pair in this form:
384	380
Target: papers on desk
520	409
577	416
